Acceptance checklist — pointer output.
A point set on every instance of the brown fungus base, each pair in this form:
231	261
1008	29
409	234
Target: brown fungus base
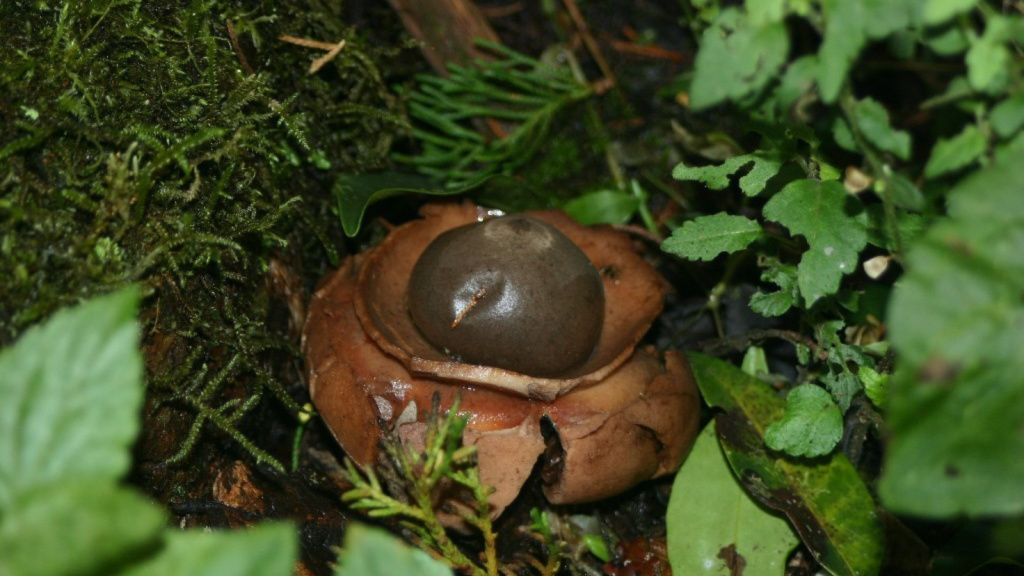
633	421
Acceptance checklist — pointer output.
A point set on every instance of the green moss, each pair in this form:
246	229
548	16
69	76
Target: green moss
180	145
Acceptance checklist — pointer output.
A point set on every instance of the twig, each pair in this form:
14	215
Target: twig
592	47
238	48
332	50
725	345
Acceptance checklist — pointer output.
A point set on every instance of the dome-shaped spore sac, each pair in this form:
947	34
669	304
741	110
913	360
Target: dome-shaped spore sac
510	292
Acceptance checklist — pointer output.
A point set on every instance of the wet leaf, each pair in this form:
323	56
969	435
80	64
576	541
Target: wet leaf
956	402
825	499
355	192
69	387
835	226
766	163
811	425
715	527
705	237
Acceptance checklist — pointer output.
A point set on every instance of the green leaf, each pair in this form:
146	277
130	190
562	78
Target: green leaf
755	362
843	135
77	527
910	226
736	58
835	226
767	163
956	402
777	303
602	207
714	526
825	499
842	385
848	27
903	193
989	59
371	551
268	549
1008	116
939	11
875	385
811	426
705	237
873	121
72	386
954	153
355	192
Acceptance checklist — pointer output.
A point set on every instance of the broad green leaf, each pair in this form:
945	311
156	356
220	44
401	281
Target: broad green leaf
77	527
954	153
842	385
946	41
825	499
777	303
705	237
268	549
355	192
956	403
988	60
939	11
811	426
766	163
602	207
873	120
736	58
800	78
371	551
765	11
714	525
835	226
1008	116
848	27
72	386
843	135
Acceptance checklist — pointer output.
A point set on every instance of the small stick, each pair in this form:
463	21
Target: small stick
592	47
238	48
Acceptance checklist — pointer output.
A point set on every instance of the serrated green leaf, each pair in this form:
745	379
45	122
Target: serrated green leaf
825	499
988	60
955	153
848	27
873	121
77	527
1008	116
939	11
956	402
811	425
766	163
736	58
602	207
712	520
355	192
835	226
843	386
69	387
371	551
268	549
875	385
705	237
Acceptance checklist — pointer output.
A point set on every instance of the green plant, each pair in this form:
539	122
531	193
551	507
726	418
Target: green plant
827	247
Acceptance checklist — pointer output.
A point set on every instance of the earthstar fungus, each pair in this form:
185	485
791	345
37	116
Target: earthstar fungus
622	413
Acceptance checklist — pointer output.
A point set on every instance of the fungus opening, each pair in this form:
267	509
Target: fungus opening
510	292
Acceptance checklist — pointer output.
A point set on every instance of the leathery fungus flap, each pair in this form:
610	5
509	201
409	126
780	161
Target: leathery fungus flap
618	424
